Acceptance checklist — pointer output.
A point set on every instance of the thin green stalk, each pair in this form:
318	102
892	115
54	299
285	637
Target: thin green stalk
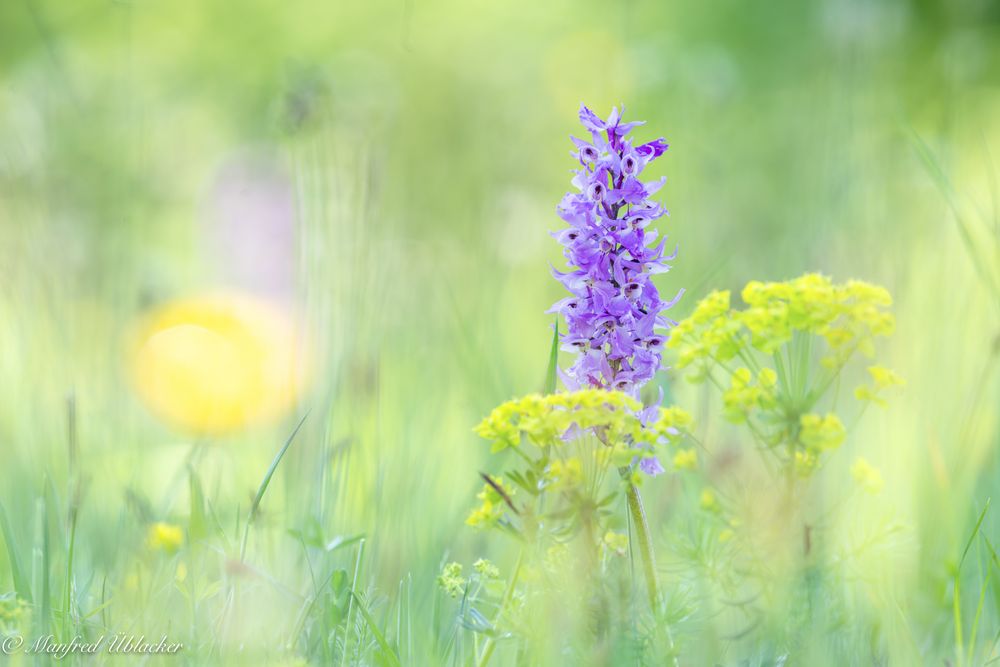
747	356
40	565
490	645
779	366
956	600
823	384
68	590
805	355
793	371
263	487
350	603
956	608
978	616
638	518
645	543
74	491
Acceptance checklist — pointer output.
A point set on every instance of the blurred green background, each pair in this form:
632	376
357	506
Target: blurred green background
389	172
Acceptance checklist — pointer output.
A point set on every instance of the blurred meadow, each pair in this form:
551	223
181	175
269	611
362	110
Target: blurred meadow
361	195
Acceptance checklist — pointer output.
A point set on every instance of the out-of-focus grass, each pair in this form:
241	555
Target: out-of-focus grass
414	153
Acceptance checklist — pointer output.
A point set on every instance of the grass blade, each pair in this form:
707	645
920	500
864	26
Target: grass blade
975	531
21	586
264	484
40	564
957	595
348	628
941	180
387	651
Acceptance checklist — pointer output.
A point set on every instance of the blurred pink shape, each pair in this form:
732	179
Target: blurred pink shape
250	225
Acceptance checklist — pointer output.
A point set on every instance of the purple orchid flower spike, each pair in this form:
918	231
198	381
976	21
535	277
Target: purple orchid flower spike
614	319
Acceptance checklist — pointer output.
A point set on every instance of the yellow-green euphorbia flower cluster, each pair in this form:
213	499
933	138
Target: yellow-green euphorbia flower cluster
613	415
883	380
560	458
492	503
848	317
769	349
746	394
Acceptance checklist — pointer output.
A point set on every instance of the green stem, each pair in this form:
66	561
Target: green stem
490	645
805	357
350	604
638	516
645	544
783	384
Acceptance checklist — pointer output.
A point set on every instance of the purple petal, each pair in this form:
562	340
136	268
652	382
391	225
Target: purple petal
590	120
653	149
651	466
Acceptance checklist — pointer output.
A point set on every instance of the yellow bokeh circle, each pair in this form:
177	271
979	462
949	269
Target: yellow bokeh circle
217	363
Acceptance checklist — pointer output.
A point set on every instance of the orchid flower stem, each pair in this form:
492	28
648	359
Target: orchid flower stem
645	544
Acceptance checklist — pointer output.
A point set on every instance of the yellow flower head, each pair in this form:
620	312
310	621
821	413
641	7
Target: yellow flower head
805	463
686	459
616	542
744	397
486	569
711	307
708	501
217	363
164	537
867	476
821	433
847	316
566	473
883	380
451	579
493	505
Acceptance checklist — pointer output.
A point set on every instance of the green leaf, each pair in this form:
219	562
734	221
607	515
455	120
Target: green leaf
16	571
550	374
341	541
388	654
311	534
338	581
521	481
608	499
339	594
